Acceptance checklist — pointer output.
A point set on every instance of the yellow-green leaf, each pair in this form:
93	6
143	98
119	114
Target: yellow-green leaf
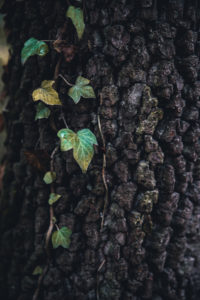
76	15
32	47
37	271
81	143
67	138
53	198
61	237
42	111
46	93
49	177
81	89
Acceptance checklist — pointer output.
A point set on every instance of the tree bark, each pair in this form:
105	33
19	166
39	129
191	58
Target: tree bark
142	58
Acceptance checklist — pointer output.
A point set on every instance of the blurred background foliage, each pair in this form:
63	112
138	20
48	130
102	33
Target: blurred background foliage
4	55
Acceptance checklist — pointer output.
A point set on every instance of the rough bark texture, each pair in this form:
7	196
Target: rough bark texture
143	57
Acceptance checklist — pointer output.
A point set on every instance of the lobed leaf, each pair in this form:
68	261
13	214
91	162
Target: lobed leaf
76	15
61	237
46	93
49	177
32	47
67	137
53	198
42	111
81	89
81	143
81	81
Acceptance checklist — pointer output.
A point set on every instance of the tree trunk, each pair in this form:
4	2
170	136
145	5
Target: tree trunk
139	240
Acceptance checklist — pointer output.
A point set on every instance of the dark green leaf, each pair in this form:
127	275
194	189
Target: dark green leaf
32	47
42	111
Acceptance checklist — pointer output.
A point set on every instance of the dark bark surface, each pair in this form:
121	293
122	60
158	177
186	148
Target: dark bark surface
142	56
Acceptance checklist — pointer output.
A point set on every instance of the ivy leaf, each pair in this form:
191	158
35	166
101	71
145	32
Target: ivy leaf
31	47
81	143
49	177
42	112
83	150
76	15
37	271
53	198
46	93
67	138
81	88
61	237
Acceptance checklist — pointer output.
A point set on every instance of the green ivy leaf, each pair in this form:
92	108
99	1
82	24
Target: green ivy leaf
37	271
67	138
32	47
76	15
81	143
61	237
81	88
42	111
49	177
47	93
53	198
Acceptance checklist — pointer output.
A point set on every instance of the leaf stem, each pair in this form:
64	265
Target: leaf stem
65	80
53	40
49	231
48	40
64	120
51	212
48	235
103	165
40	279
57	227
52	158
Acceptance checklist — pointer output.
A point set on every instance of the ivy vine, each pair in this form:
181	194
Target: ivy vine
82	143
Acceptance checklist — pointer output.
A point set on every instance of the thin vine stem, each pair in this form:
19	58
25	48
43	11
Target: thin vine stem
40	279
51	212
53	40
103	165
65	80
48	234
57	227
64	120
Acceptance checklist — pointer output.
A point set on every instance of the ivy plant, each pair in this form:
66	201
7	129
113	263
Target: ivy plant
32	47
82	144
76	15
61	237
47	93
81	88
42	111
